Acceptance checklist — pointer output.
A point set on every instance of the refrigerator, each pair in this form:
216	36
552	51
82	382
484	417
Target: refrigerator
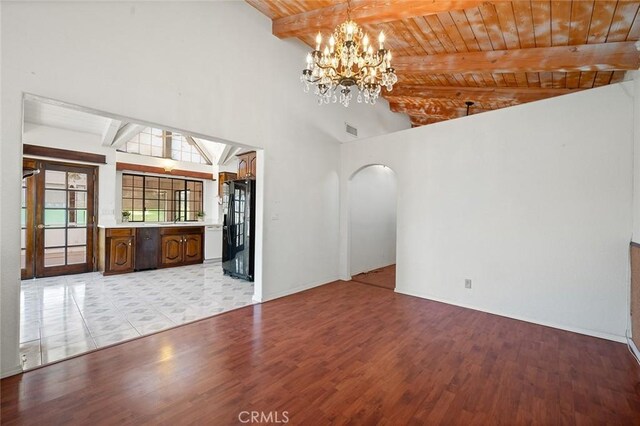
238	232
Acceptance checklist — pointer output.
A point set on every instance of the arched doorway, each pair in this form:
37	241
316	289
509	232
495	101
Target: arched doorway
372	225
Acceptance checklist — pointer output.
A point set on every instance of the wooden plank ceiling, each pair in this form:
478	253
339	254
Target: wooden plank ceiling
493	53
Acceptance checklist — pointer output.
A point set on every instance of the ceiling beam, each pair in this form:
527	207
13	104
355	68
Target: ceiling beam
476	94
363	12
201	149
110	130
125	134
227	154
586	57
433	111
423	120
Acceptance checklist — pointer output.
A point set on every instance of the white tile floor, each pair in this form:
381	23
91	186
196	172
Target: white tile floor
68	315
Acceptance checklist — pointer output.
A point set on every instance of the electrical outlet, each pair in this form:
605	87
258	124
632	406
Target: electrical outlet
467	283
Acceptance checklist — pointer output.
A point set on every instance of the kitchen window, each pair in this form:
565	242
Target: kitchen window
161	199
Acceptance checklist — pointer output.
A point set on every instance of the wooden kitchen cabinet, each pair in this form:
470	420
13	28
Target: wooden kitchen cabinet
119	247
181	246
124	250
247	165
172	252
225	177
193	252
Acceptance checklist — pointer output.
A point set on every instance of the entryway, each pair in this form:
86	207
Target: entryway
372	220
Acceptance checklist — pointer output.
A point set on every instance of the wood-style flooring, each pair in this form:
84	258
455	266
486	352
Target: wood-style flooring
343	352
382	277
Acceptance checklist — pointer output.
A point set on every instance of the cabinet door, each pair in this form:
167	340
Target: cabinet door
243	166
121	254
252	164
172	250
193	248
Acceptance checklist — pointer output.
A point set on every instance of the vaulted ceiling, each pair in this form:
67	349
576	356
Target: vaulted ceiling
493	53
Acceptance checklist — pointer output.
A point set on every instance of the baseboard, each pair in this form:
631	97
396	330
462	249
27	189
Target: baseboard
290	291
592	333
634	348
11	372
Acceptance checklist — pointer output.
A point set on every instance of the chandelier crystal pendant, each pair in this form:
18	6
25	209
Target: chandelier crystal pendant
347	62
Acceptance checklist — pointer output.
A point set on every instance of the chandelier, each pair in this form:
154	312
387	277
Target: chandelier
348	61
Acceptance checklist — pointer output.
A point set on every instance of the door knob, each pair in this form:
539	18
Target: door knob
40	226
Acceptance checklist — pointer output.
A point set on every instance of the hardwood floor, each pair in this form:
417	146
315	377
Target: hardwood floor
343	352
381	277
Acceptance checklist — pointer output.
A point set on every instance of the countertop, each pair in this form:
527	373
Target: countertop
159	224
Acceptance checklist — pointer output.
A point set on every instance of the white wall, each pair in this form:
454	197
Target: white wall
372	196
533	203
106	56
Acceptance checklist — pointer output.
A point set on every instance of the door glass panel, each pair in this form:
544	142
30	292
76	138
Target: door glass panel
54	179
54	257
76	255
23	238
55	199
77	200
77	218
54	238
55	217
76	236
23	259
77	180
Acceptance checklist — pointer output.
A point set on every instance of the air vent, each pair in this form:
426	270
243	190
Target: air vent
351	130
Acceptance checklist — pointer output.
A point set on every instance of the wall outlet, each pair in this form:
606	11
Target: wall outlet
467	283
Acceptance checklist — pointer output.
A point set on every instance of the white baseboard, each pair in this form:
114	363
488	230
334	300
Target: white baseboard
634	348
11	372
587	332
298	289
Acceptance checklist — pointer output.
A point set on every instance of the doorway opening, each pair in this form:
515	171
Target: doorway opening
372	219
122	229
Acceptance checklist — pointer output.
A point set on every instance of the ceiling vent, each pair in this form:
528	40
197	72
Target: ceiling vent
351	130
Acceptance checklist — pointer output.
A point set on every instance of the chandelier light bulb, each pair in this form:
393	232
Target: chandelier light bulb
365	41
318	41
381	39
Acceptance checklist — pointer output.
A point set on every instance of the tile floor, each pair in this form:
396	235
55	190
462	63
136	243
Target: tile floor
68	315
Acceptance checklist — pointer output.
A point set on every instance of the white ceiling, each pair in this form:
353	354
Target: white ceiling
45	114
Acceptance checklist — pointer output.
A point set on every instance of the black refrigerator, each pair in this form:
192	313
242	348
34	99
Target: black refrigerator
238	232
